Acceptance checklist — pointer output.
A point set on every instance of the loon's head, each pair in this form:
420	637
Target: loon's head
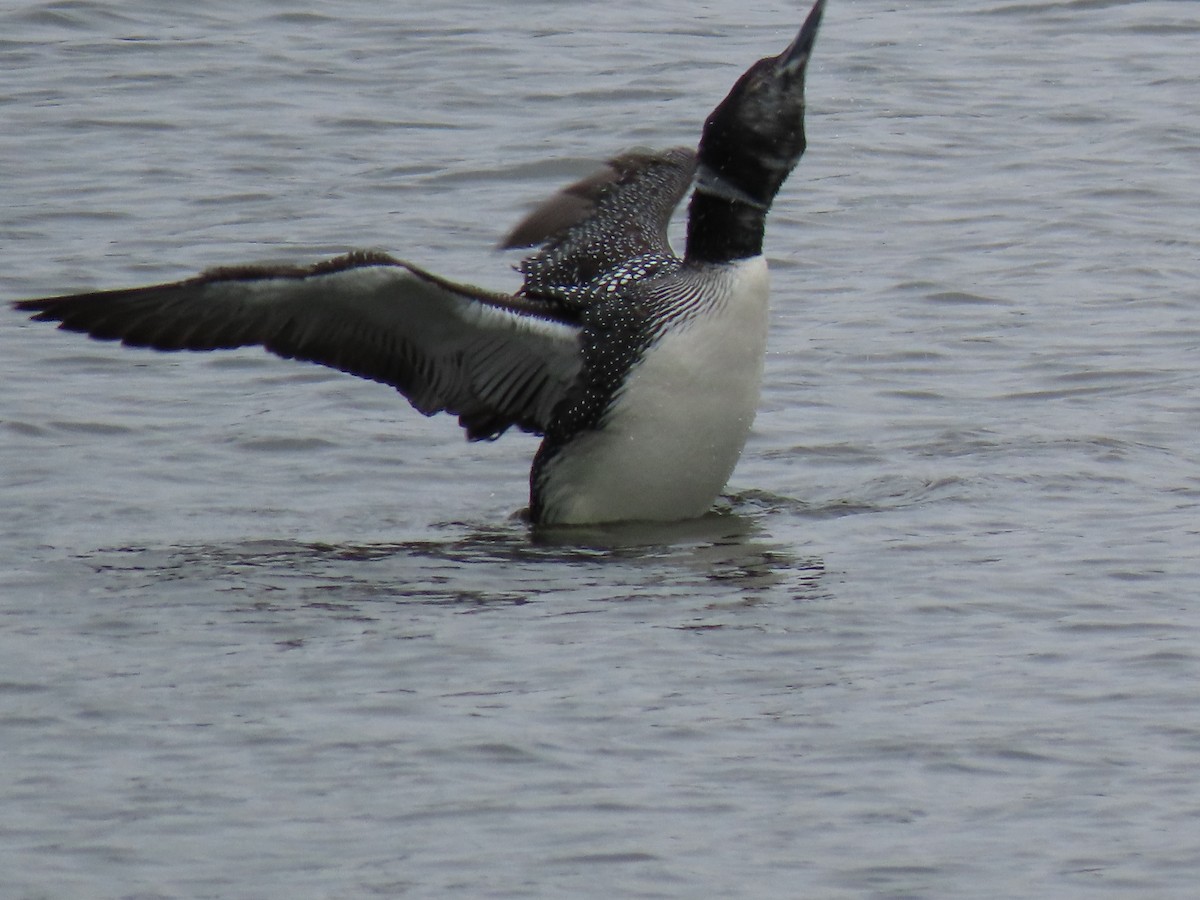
754	138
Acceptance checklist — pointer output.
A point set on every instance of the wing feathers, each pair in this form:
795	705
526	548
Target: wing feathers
602	222
494	360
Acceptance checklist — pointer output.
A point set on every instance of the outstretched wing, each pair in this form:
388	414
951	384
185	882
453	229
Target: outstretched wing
495	360
612	221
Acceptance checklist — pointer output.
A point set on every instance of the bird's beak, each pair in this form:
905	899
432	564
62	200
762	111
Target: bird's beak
795	57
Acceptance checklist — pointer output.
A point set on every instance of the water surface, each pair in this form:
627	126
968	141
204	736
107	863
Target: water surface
266	631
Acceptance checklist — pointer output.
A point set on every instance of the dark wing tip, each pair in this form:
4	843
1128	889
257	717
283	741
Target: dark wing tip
174	316
86	313
42	307
549	218
562	210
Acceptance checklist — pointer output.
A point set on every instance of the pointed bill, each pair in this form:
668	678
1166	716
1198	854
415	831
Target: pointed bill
796	55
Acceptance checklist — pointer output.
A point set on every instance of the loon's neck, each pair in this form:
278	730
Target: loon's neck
723	229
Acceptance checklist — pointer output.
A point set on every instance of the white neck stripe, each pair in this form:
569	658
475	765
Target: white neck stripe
715	185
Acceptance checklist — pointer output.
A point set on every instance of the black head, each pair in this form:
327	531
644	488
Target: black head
755	137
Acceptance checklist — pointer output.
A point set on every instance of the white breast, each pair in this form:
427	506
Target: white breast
674	433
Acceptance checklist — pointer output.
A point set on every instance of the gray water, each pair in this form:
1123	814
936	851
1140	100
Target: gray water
267	632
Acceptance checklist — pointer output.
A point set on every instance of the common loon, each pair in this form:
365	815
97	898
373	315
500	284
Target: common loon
640	370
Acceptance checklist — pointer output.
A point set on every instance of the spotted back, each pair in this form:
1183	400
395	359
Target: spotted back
607	230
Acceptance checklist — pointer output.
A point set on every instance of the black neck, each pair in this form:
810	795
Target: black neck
722	229
749	145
